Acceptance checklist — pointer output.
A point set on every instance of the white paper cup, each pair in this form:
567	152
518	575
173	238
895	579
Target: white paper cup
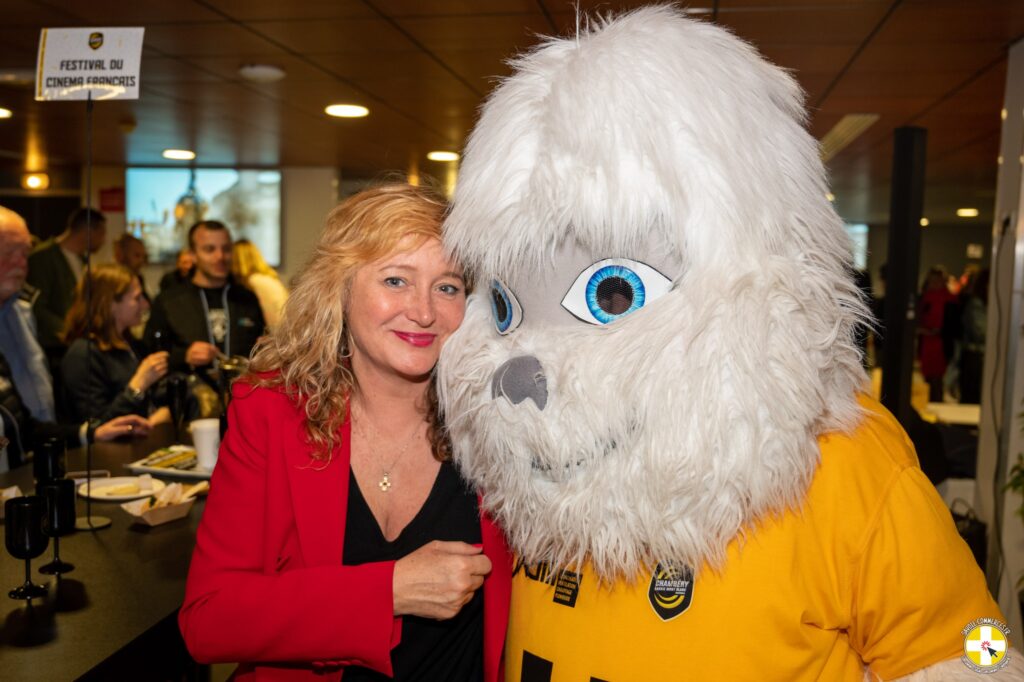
206	438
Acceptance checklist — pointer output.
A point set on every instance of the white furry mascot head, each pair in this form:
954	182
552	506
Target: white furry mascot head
665	314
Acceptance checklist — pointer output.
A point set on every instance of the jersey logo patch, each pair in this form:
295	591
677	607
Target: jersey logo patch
566	583
671	591
567	588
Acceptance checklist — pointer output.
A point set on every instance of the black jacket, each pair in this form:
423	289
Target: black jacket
95	383
24	432
178	320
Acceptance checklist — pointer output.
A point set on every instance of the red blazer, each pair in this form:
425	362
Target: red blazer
267	586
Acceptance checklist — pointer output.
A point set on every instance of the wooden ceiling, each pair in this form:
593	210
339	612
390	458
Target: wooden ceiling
423	67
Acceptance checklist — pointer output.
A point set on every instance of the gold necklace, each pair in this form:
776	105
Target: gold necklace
385	480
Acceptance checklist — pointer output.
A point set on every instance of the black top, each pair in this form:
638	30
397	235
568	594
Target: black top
172	278
430	650
178	319
95	382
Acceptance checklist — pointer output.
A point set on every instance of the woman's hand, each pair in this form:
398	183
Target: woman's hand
151	370
128	425
438	579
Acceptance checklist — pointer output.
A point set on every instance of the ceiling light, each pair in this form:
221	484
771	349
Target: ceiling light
179	154
924	222
443	156
35	180
967	212
17	77
346	110
5	113
261	73
830	196
849	128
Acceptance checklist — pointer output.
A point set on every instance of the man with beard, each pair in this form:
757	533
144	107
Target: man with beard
209	317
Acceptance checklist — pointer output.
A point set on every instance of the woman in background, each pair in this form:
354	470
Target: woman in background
931	311
338	534
975	323
249	269
104	376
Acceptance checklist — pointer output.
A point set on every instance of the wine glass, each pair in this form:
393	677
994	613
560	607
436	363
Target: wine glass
177	393
23	525
59	520
48	462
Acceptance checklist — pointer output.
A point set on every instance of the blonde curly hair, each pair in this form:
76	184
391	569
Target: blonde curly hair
306	354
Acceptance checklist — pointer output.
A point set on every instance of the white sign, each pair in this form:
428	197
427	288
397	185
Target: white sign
76	62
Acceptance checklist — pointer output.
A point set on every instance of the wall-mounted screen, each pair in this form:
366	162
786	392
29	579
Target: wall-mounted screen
163	203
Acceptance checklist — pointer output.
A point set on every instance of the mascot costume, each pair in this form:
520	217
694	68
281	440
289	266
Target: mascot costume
658	391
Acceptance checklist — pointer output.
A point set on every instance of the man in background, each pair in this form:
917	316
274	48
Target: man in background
18	343
207	317
181	272
55	268
130	252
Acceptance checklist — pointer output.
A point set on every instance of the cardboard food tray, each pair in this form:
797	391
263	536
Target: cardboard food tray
160	515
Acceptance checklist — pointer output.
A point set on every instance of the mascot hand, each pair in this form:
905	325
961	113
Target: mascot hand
438	579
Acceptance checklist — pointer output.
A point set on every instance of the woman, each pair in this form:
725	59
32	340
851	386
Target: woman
975	326
103	375
250	270
337	535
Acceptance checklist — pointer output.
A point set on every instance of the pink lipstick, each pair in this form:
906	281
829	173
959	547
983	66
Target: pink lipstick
418	340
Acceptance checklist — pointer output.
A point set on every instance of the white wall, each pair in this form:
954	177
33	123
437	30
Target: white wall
308	195
1001	439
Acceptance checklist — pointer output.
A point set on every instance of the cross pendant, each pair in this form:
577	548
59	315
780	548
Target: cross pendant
385	482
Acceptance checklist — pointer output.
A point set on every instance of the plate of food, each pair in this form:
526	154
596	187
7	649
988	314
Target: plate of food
120	488
178	461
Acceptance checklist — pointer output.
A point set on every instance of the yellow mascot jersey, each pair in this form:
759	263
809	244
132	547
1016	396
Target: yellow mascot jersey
871	570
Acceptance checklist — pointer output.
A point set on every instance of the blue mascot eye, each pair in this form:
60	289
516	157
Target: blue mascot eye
613	288
613	291
507	312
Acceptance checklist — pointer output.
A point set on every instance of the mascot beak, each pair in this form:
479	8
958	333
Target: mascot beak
521	378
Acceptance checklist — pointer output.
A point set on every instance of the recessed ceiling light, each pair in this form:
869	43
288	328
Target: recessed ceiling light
967	212
261	73
443	156
346	110
830	196
35	180
179	154
5	113
924	222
